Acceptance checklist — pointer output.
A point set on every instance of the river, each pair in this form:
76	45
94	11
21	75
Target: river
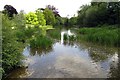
70	59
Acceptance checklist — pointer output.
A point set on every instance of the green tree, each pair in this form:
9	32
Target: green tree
99	13
113	12
59	21
41	18
81	15
73	21
36	18
49	17
31	18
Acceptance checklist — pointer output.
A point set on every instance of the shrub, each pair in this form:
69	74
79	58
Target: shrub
11	48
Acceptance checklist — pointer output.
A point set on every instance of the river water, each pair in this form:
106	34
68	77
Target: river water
70	59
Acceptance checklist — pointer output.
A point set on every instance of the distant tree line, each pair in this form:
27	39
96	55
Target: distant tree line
96	14
51	14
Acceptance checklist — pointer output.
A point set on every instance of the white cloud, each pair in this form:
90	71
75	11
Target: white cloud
65	7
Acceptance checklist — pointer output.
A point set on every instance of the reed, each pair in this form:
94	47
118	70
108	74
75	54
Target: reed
40	42
104	36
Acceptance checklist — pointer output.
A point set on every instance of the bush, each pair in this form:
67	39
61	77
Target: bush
35	18
11	48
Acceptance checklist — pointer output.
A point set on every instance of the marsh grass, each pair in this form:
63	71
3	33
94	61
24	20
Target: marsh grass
104	36
40	42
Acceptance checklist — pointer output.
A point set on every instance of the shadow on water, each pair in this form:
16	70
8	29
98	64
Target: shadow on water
70	59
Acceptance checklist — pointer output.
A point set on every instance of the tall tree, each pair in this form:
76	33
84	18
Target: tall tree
9	10
49	17
113	12
99	13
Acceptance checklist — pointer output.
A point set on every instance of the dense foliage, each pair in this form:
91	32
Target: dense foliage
41	18
11	48
52	15
99	13
49	17
18	31
35	18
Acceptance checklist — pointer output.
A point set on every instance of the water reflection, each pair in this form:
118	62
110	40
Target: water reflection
98	53
40	51
105	57
68	43
68	34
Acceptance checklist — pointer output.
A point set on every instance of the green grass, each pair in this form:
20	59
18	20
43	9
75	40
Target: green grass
104	36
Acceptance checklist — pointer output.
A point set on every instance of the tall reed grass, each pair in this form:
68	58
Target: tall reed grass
40	41
104	36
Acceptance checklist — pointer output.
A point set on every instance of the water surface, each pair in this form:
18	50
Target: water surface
70	60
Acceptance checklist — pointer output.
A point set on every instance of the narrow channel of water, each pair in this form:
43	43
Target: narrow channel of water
70	60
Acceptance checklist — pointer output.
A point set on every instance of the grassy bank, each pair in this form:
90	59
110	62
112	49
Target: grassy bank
105	36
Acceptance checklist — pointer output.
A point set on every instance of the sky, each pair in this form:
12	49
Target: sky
65	7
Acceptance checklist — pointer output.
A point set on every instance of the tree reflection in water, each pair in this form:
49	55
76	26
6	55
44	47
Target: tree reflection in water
40	51
103	54
98	53
69	43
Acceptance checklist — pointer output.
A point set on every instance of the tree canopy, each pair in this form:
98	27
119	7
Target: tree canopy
99	13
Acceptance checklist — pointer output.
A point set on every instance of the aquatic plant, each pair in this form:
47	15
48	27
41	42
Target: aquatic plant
65	37
40	42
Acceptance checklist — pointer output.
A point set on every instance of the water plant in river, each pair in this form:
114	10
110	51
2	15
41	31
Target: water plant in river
67	35
40	41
